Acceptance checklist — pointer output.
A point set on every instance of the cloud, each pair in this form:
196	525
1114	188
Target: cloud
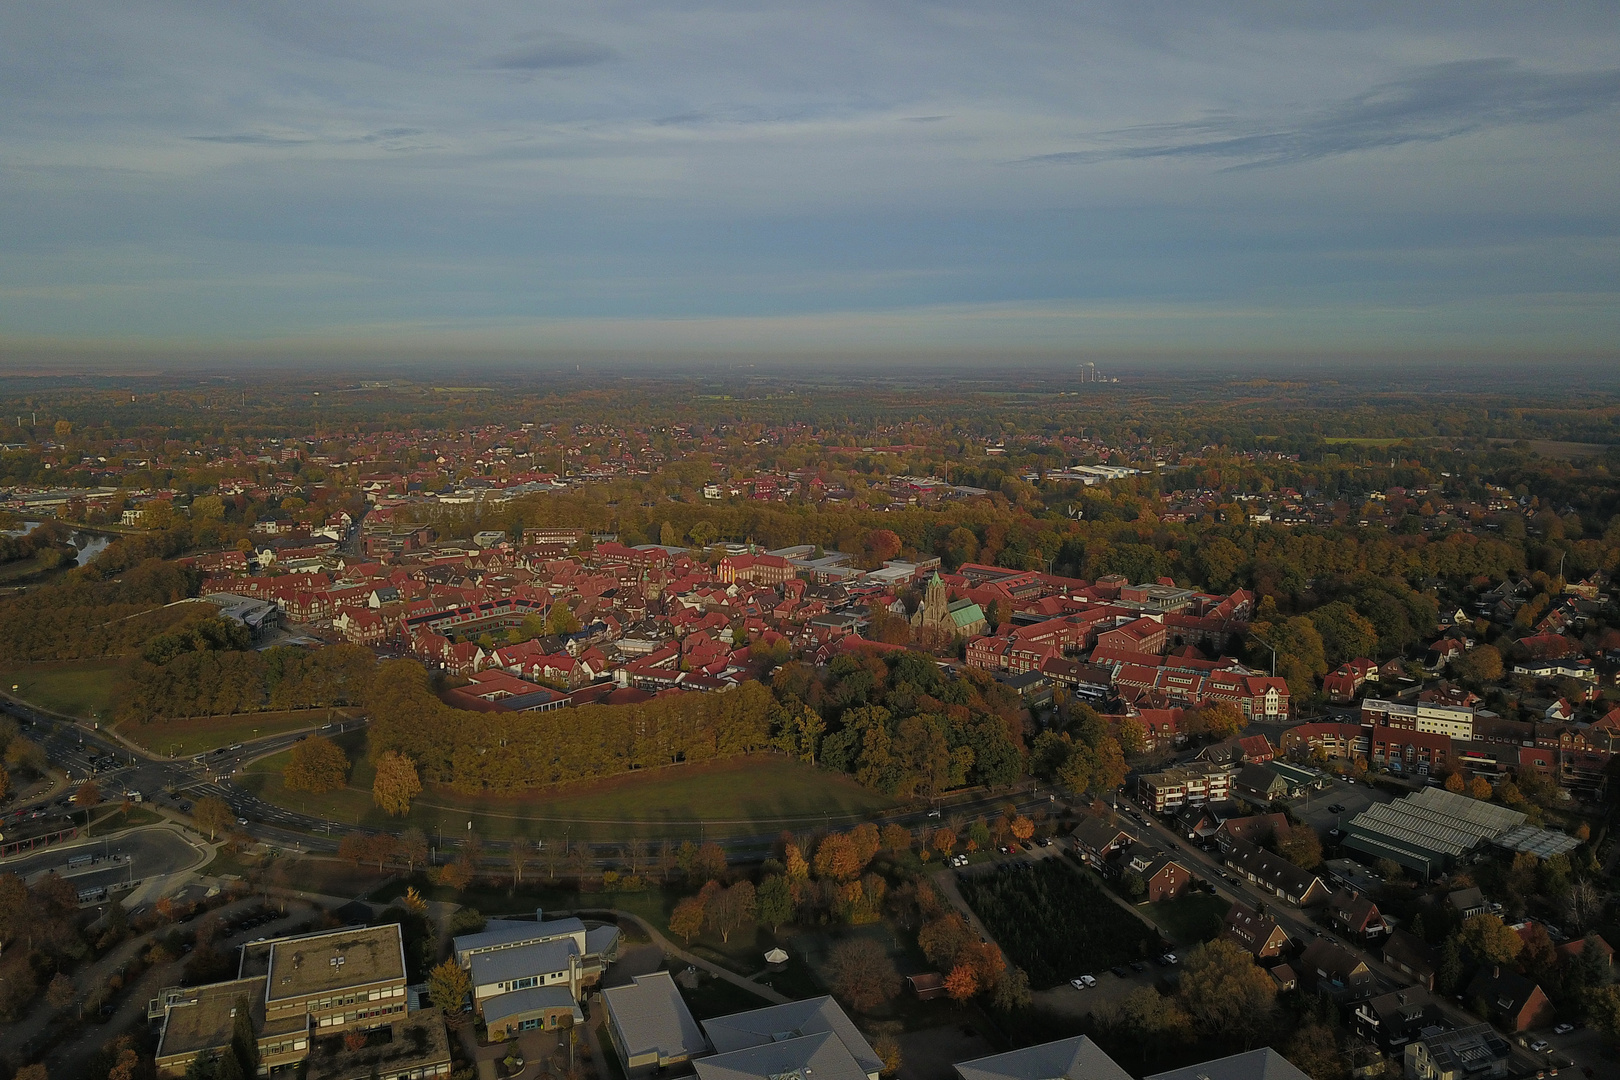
1431	105
249	138
543	52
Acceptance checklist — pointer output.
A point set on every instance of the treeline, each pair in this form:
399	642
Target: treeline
510	752
84	615
214	681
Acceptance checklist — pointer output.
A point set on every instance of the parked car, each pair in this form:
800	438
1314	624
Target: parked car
1563	1029
1169	959
1119	970
1336	808
1539	1045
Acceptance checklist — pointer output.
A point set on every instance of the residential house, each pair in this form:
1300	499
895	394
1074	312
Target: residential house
1513	1002
1258	784
1394	1019
1412	956
1468	902
1332	970
1256	829
1276	874
1098	839
1165	878
1258	934
1471	1053
1354	915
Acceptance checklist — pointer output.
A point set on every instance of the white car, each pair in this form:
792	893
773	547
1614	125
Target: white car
1539	1045
1084	982
1563	1029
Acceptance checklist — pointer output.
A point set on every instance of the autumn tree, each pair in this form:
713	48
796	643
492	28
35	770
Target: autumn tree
1300	845
1480	788
1222	720
413	848
212	815
448	987
861	972
59	991
396	783
943	841
709	864
837	858
1456	784
1489	939
317	765
687	920
962	982
896	838
1223	990
1481	664
1022	829
87	794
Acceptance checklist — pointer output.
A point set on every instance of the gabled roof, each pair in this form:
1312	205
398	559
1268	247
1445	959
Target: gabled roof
822	1056
775	1023
1077	1058
1262	1064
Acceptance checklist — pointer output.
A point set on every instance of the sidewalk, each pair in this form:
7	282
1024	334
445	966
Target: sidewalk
670	949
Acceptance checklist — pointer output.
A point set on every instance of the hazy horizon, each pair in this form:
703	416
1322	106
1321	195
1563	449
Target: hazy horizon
314	181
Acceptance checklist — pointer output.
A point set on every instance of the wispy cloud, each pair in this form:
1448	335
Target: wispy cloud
541	52
1433	104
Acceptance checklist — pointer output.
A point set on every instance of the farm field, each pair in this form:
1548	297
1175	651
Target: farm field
752	796
199	734
82	688
1053	921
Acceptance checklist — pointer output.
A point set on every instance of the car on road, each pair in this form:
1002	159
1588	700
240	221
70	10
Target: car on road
1539	1046
1563	1029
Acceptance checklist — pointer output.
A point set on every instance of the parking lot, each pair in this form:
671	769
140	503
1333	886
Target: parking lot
1108	993
1354	798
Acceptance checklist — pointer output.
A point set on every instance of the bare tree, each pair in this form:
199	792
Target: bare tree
666	859
519	853
552	856
1583	905
635	856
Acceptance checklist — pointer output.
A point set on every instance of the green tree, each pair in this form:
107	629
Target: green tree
1345	633
1300	845
774	902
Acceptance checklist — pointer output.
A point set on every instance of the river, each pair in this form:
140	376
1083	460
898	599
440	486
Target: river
89	544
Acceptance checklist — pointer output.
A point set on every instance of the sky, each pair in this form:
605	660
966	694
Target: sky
761	177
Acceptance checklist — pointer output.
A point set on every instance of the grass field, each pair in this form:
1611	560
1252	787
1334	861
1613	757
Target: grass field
1191	918
71	687
196	735
745	797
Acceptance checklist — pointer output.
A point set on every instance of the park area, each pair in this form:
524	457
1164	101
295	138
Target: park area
200	734
753	796
81	688
1055	922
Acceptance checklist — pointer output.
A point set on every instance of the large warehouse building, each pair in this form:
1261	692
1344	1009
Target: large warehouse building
1430	831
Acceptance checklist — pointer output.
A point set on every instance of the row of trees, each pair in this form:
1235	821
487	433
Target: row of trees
198	671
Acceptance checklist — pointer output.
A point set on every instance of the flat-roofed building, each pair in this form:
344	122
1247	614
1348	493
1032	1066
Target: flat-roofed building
302	994
650	1026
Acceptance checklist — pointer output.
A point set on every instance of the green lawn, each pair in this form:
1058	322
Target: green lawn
757	795
1191	918
72	687
196	735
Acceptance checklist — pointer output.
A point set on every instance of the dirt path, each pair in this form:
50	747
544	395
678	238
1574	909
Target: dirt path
671	949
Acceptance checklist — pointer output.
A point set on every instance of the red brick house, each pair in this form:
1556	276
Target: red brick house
1166	879
1257	934
1513	1002
1355	916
